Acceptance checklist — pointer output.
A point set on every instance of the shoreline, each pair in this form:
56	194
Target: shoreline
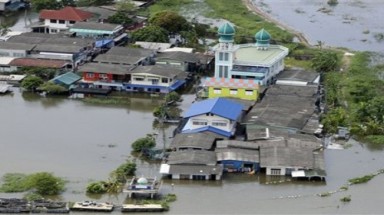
254	9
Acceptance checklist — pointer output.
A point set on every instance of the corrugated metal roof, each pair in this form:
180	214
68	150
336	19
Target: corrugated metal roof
66	78
237	154
218	106
199	157
194	140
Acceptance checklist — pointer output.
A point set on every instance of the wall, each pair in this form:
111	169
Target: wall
225	92
148	80
95	76
13	53
209	119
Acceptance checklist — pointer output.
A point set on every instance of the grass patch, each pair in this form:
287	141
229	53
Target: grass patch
360	180
375	139
107	100
171	5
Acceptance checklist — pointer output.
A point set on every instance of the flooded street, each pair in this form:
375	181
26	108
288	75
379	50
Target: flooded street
353	24
83	143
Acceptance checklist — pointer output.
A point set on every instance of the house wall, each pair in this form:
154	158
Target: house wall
151	80
210	120
6	68
12	53
52	55
95	76
57	26
177	64
238	166
246	94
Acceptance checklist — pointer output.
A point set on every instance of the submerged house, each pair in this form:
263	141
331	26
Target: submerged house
196	165
218	115
261	61
195	141
238	159
187	62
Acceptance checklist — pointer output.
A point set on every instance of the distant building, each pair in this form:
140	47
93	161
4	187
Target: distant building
217	115
11	5
55	21
261	61
247	89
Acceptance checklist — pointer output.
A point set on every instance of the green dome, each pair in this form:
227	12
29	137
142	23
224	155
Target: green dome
226	33
262	38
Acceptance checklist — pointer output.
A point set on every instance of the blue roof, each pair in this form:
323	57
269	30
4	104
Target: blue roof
177	85
66	78
101	43
208	128
219	106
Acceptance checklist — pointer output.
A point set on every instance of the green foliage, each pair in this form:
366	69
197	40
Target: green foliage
360	180
31	83
38	5
140	144
346	199
124	170
14	182
96	187
121	18
170	21
171	5
159	111
325	61
172	97
44	73
52	88
151	34
334	118
124	5
33	196
375	139
332	87
83	3
42	183
46	183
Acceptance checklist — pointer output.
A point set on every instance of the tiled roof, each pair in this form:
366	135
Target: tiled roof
38	62
231	83
218	106
67	13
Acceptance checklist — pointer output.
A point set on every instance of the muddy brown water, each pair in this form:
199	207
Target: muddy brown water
83	143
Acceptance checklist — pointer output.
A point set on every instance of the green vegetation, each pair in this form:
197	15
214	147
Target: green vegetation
117	179
120	17
151	33
325	61
107	100
170	21
171	5
360	180
332	2
163	201
143	143
346	199
172	97
31	83
41	183
52	88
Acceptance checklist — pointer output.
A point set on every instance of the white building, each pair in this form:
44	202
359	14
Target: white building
260	61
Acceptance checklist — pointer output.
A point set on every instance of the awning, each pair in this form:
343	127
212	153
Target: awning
120	37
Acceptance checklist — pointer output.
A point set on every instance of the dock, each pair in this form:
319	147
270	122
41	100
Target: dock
142	208
92	206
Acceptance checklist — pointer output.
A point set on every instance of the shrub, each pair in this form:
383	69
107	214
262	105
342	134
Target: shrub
96	187
143	143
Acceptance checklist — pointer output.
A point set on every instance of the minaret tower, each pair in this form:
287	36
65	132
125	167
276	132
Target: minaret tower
224	51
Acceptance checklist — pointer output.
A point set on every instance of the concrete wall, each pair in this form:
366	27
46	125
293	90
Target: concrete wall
210	120
227	92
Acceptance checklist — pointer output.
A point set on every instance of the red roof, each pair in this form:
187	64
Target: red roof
45	63
67	13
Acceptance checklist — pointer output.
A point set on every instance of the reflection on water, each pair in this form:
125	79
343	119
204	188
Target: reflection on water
84	142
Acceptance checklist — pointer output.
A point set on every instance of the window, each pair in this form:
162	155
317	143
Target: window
217	91
233	91
90	75
218	123
72	22
248	92
103	76
164	80
62	21
226	56
4	54
225	71
53	31
138	79
199	122
275	171
18	55
220	71
53	21
221	56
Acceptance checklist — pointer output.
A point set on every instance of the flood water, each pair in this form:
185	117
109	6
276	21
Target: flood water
83	143
353	24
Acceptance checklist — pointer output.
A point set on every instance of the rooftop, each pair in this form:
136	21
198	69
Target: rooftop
123	55
159	47
66	78
34	62
16	46
58	48
105	68
297	75
66	13
195	169
203	140
285	156
237	154
231	83
94	26
161	70
6	60
179	56
194	157
219	106
249	54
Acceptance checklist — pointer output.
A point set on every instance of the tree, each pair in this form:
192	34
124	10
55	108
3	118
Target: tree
96	187
151	34
46	183
121	18
4	29
31	83
125	6
170	21
123	171
52	88
71	3
325	61
38	5
84	3
140	144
